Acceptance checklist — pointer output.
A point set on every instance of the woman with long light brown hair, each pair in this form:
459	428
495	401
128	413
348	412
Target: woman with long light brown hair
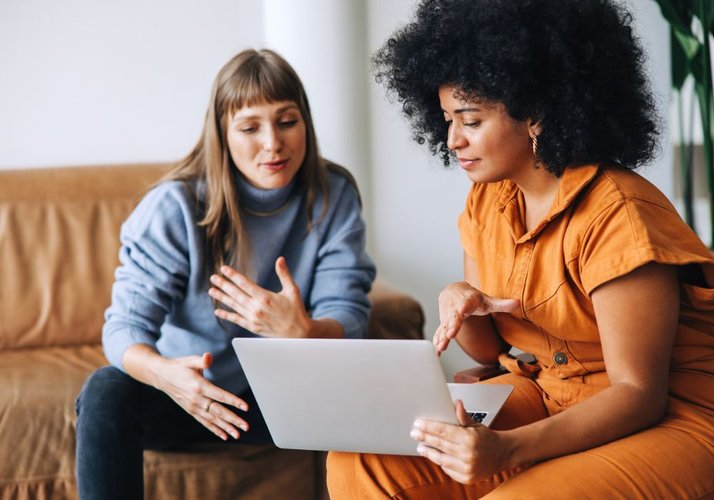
253	233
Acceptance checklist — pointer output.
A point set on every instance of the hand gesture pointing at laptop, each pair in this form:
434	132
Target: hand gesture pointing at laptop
459	301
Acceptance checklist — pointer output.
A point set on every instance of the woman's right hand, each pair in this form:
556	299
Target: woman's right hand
182	379
460	300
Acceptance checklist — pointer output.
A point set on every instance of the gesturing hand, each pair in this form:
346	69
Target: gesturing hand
460	300
259	310
182	379
467	452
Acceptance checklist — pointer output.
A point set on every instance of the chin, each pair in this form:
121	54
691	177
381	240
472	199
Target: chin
483	177
478	177
276	182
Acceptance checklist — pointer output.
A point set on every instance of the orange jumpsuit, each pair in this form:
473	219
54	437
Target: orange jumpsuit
604	223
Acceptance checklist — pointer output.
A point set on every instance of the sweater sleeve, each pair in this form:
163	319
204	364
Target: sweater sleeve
153	270
344	272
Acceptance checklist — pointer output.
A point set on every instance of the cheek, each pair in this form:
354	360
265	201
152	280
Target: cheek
239	146
298	140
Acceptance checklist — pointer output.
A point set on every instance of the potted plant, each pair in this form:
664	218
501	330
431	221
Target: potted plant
691	25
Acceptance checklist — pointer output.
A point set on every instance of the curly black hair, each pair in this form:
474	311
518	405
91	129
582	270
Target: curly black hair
575	65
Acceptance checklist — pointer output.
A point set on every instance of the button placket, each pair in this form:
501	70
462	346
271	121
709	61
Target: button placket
522	259
560	358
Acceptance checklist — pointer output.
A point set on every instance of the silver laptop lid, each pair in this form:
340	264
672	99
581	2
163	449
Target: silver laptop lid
344	394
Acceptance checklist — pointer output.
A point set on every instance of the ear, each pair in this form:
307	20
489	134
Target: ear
534	127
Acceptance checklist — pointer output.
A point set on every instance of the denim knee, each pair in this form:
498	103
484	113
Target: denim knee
108	391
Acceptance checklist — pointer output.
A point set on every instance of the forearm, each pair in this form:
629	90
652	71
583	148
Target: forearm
143	362
480	340
613	413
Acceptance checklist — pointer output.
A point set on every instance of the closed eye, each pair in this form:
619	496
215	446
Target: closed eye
287	124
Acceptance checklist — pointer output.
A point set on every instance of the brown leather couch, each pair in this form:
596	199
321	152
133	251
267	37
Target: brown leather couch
59	240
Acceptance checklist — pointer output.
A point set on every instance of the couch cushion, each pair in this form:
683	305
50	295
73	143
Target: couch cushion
38	388
37	392
59	243
215	471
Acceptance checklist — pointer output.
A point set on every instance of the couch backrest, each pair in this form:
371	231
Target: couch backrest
59	242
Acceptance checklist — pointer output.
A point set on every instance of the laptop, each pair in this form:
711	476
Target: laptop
355	395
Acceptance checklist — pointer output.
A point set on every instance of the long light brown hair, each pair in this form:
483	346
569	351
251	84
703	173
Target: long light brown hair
250	77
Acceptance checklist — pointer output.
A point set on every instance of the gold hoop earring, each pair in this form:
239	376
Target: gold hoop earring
534	144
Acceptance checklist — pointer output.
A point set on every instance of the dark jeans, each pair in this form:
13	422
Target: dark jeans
119	417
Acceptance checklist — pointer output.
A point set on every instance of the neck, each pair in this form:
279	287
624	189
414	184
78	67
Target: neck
539	190
257	201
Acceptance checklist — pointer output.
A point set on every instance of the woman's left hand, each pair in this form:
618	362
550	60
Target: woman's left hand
467	452
259	310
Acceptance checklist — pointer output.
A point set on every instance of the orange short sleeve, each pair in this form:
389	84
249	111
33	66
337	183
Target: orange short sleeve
631	232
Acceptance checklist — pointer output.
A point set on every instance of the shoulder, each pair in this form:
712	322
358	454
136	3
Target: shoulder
342	187
339	178
623	221
618	196
169	203
615	184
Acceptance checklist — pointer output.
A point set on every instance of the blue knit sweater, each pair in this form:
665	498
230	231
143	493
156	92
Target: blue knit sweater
160	296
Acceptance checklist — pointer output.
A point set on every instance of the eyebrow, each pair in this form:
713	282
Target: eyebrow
282	109
464	110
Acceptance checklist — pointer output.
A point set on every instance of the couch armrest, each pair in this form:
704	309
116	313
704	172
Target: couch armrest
478	374
524	360
395	315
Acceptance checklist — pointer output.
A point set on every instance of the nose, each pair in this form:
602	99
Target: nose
454	137
272	142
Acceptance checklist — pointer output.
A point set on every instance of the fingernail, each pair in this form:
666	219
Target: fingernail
421	449
419	424
244	427
415	434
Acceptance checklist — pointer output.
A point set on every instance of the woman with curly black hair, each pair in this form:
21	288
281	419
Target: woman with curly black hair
568	254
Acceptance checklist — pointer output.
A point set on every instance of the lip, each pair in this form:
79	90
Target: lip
468	163
276	165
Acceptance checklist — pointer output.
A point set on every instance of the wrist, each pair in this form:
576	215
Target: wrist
144	363
512	447
155	370
309	328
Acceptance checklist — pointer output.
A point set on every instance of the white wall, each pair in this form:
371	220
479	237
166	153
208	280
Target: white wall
88	82
654	34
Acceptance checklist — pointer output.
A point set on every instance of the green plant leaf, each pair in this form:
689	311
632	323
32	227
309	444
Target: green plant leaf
676	13
708	11
680	63
690	45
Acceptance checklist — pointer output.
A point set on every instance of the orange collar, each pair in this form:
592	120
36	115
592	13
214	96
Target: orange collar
510	200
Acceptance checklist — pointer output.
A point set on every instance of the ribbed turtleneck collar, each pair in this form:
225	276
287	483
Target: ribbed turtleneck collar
262	201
